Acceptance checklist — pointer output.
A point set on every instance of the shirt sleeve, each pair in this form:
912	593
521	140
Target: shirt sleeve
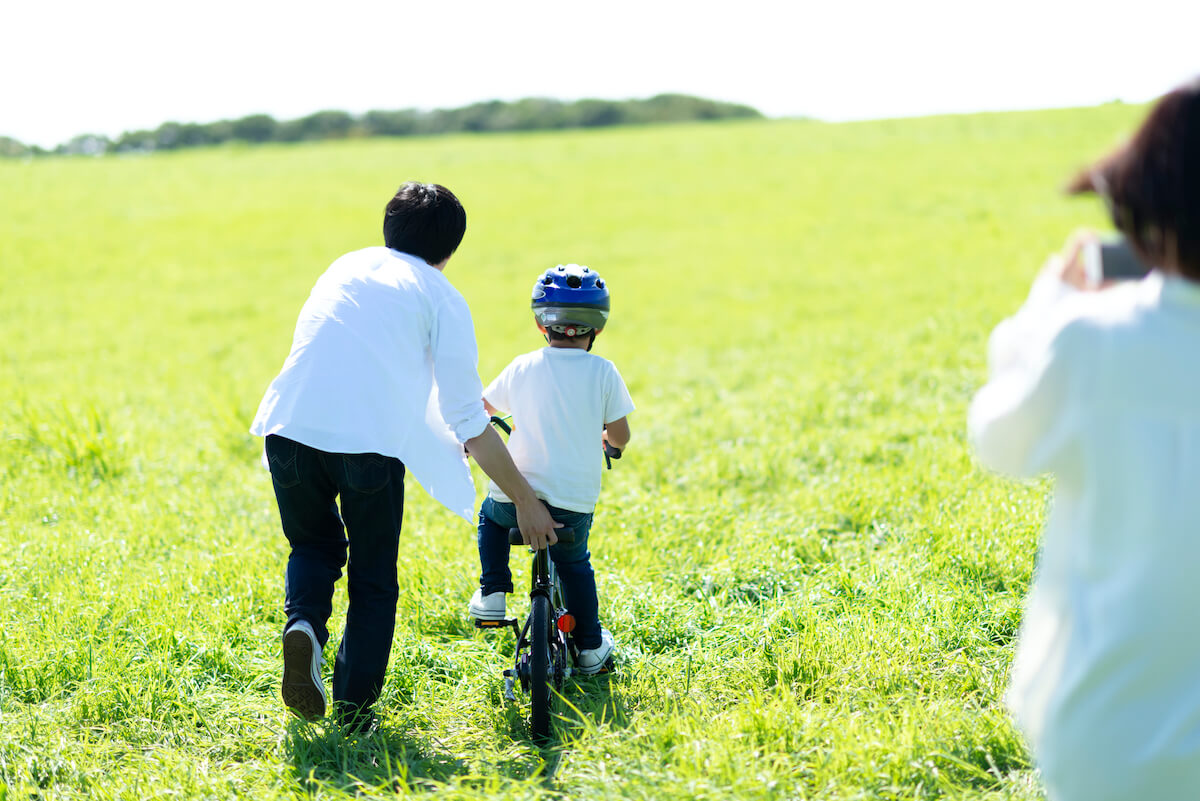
1011	340
456	369
497	392
1022	421
617	402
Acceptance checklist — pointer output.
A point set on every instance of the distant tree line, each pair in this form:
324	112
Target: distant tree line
496	115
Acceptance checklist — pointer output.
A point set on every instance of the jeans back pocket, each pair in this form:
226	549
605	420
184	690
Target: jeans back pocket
282	460
366	472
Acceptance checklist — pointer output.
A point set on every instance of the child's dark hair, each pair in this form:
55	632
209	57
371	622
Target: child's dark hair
558	336
425	220
1152	184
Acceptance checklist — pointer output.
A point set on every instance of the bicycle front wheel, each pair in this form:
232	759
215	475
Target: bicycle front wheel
539	666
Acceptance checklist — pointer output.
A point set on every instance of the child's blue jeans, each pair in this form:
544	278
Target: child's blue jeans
572	560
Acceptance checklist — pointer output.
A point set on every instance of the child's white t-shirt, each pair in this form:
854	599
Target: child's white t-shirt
560	399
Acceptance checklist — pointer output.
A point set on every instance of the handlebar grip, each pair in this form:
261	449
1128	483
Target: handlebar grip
610	452
500	424
566	534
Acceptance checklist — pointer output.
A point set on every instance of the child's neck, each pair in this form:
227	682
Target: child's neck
561	343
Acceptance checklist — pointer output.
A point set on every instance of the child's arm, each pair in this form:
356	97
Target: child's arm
491	410
616	433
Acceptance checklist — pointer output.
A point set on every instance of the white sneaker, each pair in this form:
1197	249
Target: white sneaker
593	660
303	691
487	607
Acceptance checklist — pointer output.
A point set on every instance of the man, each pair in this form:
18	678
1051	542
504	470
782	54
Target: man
381	377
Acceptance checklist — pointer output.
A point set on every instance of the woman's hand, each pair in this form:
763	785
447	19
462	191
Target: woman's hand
1070	266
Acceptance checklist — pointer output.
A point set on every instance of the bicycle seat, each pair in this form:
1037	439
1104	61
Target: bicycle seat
565	535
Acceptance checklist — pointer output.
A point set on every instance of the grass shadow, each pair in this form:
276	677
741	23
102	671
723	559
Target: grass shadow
585	704
387	759
593	701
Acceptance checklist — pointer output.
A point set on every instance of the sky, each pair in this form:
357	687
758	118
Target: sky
70	67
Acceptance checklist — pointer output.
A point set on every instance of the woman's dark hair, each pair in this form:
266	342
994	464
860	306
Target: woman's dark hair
1152	183
425	220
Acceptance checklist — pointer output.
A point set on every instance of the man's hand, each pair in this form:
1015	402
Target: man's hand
537	527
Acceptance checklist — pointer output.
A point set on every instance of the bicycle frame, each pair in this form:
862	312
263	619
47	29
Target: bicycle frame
544	583
545	650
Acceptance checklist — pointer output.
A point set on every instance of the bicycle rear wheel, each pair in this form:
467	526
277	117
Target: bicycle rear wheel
539	666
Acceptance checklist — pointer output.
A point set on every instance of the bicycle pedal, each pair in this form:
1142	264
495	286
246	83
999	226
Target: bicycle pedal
495	624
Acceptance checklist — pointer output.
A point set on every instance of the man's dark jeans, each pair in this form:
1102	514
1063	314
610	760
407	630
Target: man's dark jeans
371	490
573	562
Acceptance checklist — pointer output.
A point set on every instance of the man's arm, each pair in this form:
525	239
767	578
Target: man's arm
537	527
455	359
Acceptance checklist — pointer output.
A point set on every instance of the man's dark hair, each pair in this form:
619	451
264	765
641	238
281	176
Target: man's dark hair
1152	184
425	220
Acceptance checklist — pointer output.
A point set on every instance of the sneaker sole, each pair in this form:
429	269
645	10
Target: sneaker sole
481	614
605	666
302	691
491	617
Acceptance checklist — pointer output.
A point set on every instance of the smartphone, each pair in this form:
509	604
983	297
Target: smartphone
1112	259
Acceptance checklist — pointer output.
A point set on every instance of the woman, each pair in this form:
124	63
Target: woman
1101	389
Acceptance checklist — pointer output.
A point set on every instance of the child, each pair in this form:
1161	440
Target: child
560	398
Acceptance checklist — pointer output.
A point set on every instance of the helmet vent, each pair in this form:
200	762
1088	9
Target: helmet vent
574	281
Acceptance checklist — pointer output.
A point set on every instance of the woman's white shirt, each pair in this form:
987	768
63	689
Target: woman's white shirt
1102	390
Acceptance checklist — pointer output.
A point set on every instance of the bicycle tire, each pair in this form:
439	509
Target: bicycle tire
539	667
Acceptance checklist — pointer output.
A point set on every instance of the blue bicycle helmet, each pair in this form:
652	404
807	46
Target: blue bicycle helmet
570	299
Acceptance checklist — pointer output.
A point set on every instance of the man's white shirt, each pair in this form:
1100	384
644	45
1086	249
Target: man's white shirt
384	360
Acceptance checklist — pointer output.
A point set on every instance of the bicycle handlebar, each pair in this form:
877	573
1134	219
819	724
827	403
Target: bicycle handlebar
565	534
610	451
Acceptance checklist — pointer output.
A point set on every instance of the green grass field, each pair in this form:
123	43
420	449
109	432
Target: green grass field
813	588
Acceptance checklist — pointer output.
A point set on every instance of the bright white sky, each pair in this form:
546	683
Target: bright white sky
73	67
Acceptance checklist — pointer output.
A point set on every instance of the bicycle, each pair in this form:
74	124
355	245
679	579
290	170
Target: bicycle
545	649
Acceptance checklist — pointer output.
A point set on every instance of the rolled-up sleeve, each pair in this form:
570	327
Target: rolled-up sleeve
456	369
